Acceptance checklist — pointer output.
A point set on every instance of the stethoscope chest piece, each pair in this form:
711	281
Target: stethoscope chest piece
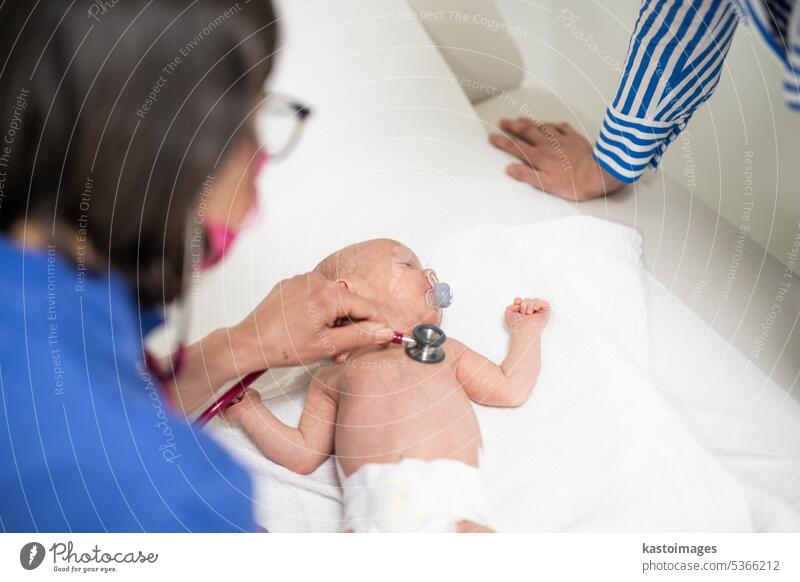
427	346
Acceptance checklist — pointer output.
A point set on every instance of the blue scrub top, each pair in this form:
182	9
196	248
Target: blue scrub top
87	441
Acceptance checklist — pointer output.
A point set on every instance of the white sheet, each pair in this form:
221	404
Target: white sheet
735	411
596	447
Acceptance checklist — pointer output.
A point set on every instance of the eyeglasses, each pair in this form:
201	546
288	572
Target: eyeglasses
279	124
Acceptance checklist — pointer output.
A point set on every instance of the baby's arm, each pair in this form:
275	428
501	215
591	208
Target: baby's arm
300	449
510	383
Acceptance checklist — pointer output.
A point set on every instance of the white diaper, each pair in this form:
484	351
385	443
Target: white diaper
414	495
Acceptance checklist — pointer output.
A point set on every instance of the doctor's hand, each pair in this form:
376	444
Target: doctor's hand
297	324
554	158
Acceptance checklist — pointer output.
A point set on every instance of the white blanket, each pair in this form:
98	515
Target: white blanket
596	447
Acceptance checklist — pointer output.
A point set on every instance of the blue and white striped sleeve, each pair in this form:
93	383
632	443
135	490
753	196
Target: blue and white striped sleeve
673	65
791	84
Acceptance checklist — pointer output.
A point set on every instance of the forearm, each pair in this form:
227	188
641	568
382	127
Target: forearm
508	384
282	444
207	366
521	366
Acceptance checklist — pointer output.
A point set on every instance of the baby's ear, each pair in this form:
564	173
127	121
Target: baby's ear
343	283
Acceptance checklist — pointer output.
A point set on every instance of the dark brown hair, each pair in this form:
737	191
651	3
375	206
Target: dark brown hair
117	112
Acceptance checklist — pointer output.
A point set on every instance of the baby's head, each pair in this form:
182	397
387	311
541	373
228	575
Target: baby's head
390	275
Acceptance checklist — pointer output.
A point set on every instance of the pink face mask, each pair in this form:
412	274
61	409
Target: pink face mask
220	236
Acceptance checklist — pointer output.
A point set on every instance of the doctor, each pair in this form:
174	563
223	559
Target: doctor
674	62
127	162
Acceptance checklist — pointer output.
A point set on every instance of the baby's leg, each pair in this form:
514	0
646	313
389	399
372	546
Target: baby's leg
465	526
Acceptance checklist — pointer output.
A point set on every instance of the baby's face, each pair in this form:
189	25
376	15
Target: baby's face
408	284
390	275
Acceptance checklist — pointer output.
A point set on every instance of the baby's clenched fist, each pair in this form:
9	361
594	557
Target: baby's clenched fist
247	402
528	313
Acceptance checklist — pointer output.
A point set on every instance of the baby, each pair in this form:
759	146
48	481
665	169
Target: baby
407	442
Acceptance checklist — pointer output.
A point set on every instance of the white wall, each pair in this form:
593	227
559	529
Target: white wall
576	48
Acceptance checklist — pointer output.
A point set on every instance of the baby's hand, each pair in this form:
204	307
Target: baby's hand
249	400
528	313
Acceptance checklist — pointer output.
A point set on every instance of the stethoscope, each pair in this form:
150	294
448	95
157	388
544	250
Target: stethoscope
424	345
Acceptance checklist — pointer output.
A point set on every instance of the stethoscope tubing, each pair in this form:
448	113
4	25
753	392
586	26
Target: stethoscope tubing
227	398
238	389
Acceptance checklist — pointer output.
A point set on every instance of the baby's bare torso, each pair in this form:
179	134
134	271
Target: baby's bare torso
391	407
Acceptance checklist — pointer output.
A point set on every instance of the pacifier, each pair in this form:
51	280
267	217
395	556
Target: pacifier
439	296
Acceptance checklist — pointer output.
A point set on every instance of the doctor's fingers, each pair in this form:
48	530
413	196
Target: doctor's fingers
360	333
367	324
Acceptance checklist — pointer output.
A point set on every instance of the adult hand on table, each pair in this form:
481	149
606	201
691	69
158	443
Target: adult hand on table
554	158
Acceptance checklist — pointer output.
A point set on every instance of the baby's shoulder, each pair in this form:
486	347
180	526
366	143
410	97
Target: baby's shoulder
454	347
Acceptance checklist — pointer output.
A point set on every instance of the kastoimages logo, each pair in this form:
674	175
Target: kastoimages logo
31	555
